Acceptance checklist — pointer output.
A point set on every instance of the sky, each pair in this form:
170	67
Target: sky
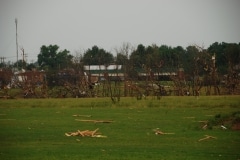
77	25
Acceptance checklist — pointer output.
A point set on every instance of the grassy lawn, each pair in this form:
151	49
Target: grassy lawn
35	129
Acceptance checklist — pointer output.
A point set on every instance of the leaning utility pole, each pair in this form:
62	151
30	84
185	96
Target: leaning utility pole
16	41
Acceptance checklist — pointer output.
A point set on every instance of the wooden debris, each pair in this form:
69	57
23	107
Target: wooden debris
79	115
207	137
203	121
158	132
204	124
85	133
205	127
223	127
94	121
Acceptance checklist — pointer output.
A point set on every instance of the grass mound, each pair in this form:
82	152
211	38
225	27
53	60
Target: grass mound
225	121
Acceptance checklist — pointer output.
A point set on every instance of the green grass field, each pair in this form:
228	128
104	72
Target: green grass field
35	129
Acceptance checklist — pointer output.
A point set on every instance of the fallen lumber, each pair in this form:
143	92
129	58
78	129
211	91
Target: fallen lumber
85	133
207	137
202	121
80	115
204	124
94	121
158	132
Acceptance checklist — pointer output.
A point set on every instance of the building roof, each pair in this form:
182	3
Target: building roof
102	67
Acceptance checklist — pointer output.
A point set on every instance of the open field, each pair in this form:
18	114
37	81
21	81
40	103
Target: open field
35	128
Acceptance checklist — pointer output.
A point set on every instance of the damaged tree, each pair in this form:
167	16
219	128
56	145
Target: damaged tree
5	82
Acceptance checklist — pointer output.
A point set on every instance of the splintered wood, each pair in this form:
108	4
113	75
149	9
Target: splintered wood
79	115
158	132
94	121
86	133
207	137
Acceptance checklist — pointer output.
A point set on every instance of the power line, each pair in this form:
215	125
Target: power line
11	57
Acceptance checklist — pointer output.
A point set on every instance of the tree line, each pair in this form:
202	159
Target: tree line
159	58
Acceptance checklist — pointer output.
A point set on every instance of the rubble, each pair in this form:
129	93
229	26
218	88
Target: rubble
85	133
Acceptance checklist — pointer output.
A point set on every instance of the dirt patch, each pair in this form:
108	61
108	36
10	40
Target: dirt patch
236	126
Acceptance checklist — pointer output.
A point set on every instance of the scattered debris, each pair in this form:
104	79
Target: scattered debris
223	127
158	132
203	121
205	127
207	137
85	133
204	124
79	115
222	121
94	121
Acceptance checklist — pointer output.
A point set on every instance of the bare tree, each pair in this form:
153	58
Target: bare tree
77	59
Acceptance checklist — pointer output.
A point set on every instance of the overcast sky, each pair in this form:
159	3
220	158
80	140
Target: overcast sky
80	24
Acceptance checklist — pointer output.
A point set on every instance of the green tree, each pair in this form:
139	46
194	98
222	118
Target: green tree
221	59
166	54
21	64
179	56
227	55
97	56
121	59
232	53
50	58
190	59
64	59
138	57
31	66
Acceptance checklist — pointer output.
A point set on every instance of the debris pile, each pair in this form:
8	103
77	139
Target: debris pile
222	121
86	133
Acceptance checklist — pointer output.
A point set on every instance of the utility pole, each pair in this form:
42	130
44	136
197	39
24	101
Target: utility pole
16	21
24	55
